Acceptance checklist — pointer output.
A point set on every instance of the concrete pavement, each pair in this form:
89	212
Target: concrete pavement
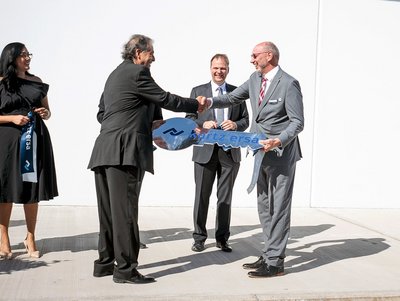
333	254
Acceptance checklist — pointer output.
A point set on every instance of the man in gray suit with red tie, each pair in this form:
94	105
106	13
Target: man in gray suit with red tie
214	160
277	106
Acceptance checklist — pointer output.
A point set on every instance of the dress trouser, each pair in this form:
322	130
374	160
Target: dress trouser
274	200
222	165
118	189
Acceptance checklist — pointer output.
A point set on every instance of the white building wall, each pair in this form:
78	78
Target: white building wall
355	160
344	53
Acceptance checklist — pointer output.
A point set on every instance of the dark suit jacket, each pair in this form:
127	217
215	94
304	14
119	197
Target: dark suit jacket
128	105
237	113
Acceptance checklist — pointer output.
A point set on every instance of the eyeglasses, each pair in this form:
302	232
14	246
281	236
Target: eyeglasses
255	55
26	55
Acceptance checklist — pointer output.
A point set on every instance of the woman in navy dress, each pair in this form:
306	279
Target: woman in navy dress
23	103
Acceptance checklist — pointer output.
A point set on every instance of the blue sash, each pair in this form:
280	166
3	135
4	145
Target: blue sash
28	150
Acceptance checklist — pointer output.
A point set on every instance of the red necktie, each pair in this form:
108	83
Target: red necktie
262	91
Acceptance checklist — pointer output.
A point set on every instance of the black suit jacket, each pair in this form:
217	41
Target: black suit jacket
237	113
130	102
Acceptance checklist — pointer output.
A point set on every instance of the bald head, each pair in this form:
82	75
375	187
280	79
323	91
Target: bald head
269	46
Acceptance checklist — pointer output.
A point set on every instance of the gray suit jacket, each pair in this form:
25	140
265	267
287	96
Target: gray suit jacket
237	113
279	115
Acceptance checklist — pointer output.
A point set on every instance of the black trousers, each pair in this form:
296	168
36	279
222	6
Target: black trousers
118	189
226	170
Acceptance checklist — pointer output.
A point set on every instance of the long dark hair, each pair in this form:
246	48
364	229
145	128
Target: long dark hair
8	68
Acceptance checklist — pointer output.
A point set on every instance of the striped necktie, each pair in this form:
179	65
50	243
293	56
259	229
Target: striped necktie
262	90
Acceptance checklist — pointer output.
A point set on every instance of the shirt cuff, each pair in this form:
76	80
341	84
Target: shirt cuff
209	102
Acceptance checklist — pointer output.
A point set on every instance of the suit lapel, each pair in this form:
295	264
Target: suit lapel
209	93
229	88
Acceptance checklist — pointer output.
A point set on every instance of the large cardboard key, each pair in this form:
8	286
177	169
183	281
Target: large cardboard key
179	133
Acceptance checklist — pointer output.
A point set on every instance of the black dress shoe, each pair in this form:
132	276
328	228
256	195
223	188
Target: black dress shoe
142	245
138	278
266	271
198	246
224	246
254	265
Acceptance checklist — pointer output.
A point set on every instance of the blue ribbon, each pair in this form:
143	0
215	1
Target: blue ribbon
26	148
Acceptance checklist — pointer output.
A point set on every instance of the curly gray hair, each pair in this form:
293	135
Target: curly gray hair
137	41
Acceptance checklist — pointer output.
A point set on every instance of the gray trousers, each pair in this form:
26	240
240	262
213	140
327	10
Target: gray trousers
274	200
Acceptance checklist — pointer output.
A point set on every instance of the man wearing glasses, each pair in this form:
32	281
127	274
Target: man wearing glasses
277	106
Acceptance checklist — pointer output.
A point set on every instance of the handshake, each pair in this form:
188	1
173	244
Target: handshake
204	103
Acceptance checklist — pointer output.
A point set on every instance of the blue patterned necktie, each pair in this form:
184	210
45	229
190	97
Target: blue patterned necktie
219	113
219	116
